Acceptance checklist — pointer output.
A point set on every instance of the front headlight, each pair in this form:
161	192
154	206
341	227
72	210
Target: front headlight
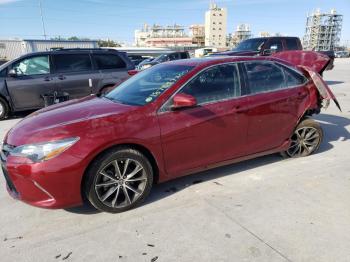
44	151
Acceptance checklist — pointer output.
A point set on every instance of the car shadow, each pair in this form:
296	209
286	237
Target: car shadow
330	82
334	128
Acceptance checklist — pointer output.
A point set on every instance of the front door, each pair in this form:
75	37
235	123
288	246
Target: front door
214	130
31	82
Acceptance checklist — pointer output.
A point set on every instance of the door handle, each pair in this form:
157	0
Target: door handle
61	77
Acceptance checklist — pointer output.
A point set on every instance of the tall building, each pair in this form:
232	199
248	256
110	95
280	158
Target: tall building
215	26
198	35
322	30
162	36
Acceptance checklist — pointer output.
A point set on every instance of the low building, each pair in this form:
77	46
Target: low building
197	32
10	49
162	36
242	32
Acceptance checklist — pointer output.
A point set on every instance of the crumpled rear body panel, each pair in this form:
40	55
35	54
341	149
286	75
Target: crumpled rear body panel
313	60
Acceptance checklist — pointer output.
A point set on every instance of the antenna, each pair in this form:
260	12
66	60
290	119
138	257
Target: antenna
42	18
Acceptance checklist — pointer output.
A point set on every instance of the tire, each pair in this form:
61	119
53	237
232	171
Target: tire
306	139
4	109
113	192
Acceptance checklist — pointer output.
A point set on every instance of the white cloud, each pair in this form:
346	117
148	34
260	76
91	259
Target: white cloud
4	2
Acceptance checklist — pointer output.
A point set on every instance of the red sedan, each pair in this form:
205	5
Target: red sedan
168	121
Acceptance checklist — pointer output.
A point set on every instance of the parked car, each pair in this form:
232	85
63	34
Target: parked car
265	46
171	120
342	54
79	72
163	58
137	59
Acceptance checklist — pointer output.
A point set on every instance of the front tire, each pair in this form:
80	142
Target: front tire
4	109
118	180
305	140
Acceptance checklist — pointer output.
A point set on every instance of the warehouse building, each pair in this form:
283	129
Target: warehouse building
10	49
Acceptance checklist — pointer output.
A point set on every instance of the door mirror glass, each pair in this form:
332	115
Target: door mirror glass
183	101
12	73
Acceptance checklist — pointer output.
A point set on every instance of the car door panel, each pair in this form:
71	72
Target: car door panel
27	88
203	135
74	74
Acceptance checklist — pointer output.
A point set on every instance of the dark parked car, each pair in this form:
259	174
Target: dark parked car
168	121
76	72
265	46
163	58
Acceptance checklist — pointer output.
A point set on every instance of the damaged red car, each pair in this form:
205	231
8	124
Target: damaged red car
168	121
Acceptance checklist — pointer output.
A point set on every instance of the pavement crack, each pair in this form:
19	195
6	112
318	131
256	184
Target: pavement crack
250	232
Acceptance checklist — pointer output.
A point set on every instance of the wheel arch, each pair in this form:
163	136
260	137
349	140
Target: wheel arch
142	149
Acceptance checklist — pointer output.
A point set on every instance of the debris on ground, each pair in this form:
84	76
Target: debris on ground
68	255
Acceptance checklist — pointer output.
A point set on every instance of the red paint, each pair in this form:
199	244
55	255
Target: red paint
181	141
183	100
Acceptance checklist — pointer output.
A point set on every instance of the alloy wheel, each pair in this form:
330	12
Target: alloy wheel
305	141
120	183
2	109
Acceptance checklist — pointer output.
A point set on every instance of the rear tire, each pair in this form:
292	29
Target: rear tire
118	180
4	109
305	140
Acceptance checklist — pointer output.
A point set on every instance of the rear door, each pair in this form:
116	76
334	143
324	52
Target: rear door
33	80
276	102
74	74
113	69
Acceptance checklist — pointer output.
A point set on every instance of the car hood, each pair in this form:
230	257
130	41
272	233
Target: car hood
53	119
238	53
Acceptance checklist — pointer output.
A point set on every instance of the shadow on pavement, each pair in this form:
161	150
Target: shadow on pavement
330	82
334	128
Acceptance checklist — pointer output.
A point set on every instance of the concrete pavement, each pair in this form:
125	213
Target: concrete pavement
266	209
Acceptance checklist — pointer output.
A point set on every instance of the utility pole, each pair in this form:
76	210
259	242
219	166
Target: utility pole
42	18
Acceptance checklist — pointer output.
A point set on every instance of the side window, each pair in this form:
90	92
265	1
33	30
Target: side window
105	61
3	73
215	84
37	65
292	44
72	63
293	78
275	45
263	77
174	56
184	55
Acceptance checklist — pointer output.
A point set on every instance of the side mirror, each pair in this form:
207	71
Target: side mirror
183	101
12	73
267	52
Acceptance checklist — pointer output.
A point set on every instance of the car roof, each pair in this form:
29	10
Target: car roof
213	60
73	50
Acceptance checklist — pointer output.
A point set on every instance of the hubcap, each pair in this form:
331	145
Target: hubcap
120	183
305	141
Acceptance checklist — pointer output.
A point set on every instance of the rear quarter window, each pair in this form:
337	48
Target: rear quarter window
108	61
293	78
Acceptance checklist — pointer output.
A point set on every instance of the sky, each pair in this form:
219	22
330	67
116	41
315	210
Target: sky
117	19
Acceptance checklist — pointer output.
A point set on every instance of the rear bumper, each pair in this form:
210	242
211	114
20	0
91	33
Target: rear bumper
48	184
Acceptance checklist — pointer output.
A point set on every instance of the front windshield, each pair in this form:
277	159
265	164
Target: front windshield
147	85
250	45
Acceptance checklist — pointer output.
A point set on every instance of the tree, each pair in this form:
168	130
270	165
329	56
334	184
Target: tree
108	43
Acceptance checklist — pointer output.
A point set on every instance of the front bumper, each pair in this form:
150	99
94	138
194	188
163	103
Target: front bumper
52	184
